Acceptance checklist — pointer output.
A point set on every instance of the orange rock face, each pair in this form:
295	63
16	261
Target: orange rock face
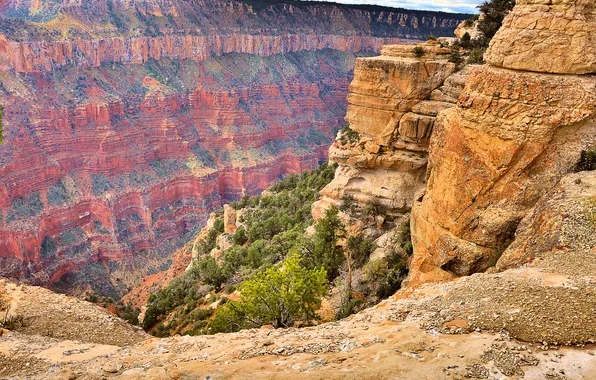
392	106
512	137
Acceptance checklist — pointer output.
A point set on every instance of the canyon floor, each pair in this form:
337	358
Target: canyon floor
507	325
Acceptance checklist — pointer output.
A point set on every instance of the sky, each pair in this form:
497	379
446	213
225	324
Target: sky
463	6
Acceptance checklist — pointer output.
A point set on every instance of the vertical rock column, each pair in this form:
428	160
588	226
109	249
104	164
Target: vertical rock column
512	137
393	102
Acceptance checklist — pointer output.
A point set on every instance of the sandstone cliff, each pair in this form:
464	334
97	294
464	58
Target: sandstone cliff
382	154
513	324
500	153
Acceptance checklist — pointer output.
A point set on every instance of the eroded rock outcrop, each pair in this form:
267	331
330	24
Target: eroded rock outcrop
392	106
561	225
43	56
510	140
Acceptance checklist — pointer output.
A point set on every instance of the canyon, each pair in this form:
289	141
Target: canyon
487	163
126	123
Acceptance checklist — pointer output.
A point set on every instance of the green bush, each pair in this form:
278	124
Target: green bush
470	22
494	13
419	51
348	136
374	208
476	57
274	225
348	204
360	249
322	250
279	296
455	57
406	238
430	37
240	236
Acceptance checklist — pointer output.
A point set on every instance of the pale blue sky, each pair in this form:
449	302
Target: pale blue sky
463	6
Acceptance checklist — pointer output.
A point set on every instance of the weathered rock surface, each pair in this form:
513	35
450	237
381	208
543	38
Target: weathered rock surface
468	27
552	36
126	123
513	136
393	103
563	222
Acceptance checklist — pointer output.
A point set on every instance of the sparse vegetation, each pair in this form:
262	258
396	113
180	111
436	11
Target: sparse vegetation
374	208
348	204
455	57
587	161
272	227
476	57
419	51
494	13
280	296
348	136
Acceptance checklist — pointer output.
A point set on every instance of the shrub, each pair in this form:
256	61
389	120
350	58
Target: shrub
349	305
322	250
466	37
430	37
476	57
348	204
279	296
348	135
240	236
494	13
406	238
360	249
587	161
455	57
419	51
470	22
374	208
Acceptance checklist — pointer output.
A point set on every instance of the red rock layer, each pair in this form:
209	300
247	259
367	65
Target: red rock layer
39	56
115	176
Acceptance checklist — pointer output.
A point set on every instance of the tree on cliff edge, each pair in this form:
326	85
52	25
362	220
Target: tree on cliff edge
494	12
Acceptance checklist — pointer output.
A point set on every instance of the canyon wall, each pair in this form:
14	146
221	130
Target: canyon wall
126	169
39	56
512	137
126	123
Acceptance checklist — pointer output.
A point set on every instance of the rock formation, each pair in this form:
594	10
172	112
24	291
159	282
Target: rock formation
510	140
547	36
392	106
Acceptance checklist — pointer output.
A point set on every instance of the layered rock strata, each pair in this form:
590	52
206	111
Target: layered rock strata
392	107
510	140
123	164
44	56
126	122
